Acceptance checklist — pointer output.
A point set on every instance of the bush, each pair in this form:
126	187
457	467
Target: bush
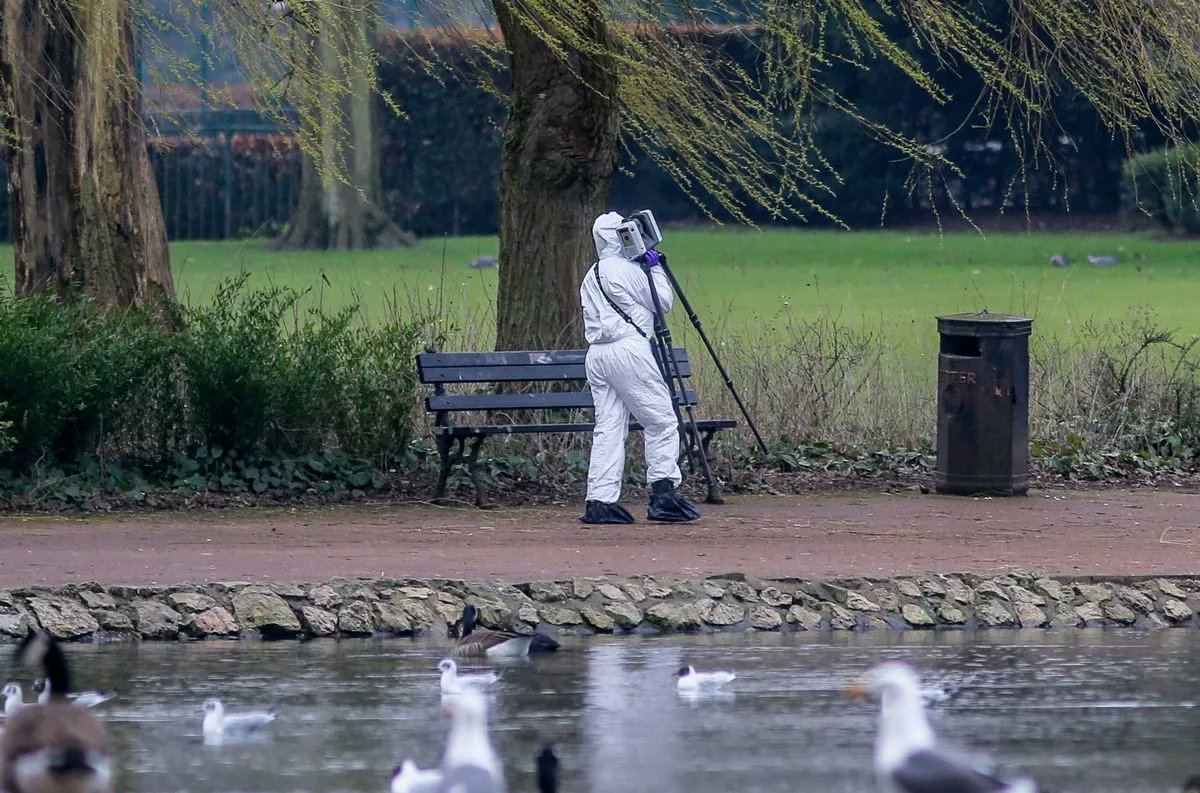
6	437
1162	184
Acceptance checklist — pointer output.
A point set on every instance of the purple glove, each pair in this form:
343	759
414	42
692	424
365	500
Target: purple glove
653	257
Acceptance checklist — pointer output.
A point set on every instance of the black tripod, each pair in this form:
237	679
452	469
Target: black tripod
664	351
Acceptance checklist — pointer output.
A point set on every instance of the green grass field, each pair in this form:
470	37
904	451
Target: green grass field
891	282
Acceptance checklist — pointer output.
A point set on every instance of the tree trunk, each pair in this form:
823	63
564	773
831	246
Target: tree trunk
340	206
560	153
85	207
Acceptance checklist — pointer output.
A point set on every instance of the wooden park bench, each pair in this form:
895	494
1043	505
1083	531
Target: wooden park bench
513	368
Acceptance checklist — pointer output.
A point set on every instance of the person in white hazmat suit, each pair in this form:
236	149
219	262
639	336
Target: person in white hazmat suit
618	321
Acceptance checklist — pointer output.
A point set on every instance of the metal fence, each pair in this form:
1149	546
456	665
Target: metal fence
221	174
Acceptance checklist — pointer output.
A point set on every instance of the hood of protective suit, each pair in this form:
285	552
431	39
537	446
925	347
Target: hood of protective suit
604	232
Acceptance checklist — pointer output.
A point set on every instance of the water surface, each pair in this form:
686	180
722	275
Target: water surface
1081	710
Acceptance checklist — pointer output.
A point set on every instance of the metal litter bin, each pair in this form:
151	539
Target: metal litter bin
983	404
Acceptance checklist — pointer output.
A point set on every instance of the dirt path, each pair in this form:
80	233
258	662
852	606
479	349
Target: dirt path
824	535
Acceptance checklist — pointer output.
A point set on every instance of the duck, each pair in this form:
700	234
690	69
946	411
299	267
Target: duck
487	642
408	778
454	683
218	724
82	699
470	762
14	698
547	769
54	747
688	679
907	756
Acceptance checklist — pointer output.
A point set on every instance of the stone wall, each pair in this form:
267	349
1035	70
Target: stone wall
366	607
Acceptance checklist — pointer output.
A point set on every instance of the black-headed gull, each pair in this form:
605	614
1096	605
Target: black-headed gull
470	764
454	683
688	679
408	778
218	724
82	699
907	758
14	698
55	747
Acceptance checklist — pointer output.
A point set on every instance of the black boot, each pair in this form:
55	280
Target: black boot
668	507
601	512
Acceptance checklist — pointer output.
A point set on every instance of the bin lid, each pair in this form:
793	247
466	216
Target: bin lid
984	323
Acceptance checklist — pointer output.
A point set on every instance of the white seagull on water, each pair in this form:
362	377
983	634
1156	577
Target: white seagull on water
454	683
688	679
83	699
470	764
407	778
14	699
907	759
218	724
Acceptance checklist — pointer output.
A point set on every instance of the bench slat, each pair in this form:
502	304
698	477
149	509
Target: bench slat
552	401
519	429
482	367
519	373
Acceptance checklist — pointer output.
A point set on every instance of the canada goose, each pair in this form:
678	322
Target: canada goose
454	683
407	778
218	724
547	770
55	747
483	641
83	699
688	679
907	758
470	764
14	698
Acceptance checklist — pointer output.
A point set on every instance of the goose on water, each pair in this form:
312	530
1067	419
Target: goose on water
408	778
82	699
688	679
54	747
454	683
218	724
907	757
475	641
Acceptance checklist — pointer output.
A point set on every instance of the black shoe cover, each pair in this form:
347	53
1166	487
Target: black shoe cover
600	512
668	507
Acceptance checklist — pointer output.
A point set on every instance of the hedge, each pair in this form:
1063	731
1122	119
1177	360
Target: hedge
1162	184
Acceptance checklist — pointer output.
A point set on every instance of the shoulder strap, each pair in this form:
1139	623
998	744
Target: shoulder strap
614	305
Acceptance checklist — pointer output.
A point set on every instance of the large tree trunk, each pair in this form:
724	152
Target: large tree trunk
340	206
85	208
560	153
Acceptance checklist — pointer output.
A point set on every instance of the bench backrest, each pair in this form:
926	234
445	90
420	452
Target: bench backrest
528	366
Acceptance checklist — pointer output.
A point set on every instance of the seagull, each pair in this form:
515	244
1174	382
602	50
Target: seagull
1059	260
84	699
1102	261
688	679
407	778
218	724
492	643
907	759
454	683
54	747
483	262
937	695
470	764
547	769
14	699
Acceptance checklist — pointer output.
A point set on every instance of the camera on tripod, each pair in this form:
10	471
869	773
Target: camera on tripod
638	234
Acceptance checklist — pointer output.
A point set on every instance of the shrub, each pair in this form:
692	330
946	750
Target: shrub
1162	184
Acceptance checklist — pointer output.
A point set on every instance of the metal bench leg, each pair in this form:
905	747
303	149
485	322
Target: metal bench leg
714	487
444	444
476	474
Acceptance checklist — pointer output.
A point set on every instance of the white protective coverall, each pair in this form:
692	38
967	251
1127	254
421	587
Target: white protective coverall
621	368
